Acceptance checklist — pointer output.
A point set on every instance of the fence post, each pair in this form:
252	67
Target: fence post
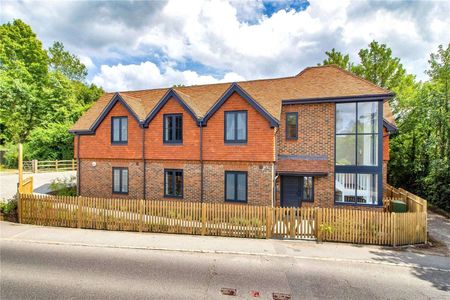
34	165
394	229
56	165
141	214
73	164
203	218
268	222
318	223
292	223
79	213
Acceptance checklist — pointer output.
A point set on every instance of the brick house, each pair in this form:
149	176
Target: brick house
320	138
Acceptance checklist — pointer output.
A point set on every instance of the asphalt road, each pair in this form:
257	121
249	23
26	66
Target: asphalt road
44	271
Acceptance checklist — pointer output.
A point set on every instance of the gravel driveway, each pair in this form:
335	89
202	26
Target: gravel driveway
41	182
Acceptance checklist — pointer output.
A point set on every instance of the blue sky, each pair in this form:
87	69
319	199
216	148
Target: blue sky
141	44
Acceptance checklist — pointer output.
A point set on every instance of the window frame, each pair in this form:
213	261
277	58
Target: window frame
121	169
120	141
361	169
235	173
235	140
296	126
174	183
173	117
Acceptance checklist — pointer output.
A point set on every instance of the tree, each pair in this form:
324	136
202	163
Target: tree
378	66
337	58
66	63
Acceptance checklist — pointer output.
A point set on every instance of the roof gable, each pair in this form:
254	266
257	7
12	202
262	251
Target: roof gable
116	98
235	88
171	93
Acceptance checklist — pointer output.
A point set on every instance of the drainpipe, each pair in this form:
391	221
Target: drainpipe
78	165
275	176
145	164
201	160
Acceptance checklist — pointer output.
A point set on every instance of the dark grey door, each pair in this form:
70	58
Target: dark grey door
290	191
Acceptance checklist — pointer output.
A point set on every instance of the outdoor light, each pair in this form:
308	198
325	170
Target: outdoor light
94	163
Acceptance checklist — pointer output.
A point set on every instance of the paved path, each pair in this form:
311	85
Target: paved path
439	228
41	182
47	262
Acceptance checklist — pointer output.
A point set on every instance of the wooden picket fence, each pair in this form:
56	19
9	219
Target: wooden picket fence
234	220
413	202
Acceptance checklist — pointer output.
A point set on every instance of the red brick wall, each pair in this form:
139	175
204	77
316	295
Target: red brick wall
154	145
99	144
315	138
385	144
260	145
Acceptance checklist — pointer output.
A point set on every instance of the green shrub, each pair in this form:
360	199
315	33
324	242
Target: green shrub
9	207
66	186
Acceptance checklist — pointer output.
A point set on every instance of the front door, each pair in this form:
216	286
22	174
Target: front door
291	191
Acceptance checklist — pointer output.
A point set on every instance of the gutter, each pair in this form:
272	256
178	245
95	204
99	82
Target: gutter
78	166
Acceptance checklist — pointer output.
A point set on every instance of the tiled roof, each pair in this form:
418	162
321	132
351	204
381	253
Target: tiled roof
314	82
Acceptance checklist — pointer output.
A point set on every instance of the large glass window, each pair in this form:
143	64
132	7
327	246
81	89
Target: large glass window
119	130
173	183
120	180
358	169
173	128
236	126
236	186
291	126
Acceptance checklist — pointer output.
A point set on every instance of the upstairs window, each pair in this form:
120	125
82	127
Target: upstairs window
120	180
119	130
173	183
173	129
291	126
236	186
235	126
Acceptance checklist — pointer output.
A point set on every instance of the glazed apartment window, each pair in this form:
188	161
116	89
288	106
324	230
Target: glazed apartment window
236	127
173	129
119	130
291	126
357	166
120	180
236	186
173	183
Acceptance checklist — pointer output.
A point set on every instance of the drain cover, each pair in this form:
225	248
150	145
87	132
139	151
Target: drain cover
280	296
228	291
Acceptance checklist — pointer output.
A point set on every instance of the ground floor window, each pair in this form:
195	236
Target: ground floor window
120	180
236	186
356	188
173	183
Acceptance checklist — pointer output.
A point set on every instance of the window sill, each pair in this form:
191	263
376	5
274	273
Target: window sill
173	144
236	201
357	204
120	193
173	197
119	143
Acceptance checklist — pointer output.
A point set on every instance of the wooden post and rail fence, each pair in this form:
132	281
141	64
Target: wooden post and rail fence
37	166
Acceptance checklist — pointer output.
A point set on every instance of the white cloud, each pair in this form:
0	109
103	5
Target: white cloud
147	75
229	37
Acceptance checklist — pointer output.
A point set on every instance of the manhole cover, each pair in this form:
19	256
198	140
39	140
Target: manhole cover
281	296
228	291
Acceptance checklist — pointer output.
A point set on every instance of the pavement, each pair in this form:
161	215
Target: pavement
49	262
41	182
